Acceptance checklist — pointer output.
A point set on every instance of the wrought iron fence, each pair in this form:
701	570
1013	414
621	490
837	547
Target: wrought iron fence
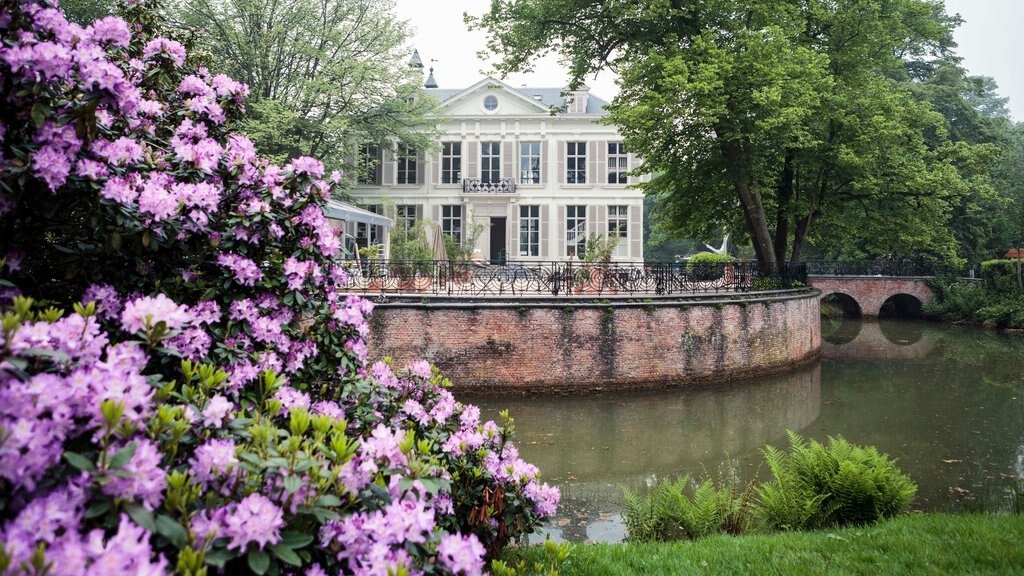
898	268
564	279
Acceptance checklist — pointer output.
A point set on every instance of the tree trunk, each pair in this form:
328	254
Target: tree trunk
800	236
782	212
750	203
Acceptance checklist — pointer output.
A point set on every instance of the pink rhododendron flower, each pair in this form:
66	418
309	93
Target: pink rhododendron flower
148	311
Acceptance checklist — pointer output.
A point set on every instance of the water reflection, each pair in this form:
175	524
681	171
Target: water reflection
948	402
877	339
592	446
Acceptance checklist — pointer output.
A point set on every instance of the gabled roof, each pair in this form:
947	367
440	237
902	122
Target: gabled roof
542	98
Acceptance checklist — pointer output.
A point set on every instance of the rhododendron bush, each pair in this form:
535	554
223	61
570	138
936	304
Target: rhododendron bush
183	386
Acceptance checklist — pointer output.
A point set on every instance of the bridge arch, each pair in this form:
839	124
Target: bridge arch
841	303
872	292
902	306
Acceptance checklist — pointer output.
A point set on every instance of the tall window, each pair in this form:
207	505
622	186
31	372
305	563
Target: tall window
406	157
490	162
529	163
451	221
406	219
618	226
575	230
618	163
529	230
576	163
451	162
366	164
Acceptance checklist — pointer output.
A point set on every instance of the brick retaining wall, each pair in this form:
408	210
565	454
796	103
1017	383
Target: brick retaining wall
522	347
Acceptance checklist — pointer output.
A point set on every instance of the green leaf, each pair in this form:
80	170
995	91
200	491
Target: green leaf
219	557
170	528
259	561
286	554
328	501
39	113
123	456
98	509
141	516
295	540
79	461
292	484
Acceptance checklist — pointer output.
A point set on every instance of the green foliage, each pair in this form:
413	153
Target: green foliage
685	509
599	248
324	77
838	484
774	283
708	258
918	545
549	563
707	266
996	302
783	122
1001	276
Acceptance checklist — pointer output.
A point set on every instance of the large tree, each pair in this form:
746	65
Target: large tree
785	120
324	75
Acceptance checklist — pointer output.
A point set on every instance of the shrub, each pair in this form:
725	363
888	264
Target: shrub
1001	276
675	509
707	266
189	387
837	484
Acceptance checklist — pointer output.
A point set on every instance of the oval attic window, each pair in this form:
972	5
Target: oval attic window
491	103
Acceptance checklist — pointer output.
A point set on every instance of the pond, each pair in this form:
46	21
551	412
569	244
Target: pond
946	401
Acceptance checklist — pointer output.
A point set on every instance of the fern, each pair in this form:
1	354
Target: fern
837	484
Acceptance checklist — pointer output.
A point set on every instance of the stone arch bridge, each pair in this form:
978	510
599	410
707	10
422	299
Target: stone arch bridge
870	293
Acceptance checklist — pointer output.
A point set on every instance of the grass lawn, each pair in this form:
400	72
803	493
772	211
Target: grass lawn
919	544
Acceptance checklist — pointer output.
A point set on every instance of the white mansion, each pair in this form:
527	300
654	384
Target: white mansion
539	182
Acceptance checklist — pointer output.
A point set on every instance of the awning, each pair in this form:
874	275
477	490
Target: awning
340	211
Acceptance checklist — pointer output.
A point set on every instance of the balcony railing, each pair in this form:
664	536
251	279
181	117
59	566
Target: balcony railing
478	186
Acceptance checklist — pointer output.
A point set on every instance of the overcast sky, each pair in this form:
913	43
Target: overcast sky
991	43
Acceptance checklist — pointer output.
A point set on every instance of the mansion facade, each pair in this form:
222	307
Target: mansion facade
533	184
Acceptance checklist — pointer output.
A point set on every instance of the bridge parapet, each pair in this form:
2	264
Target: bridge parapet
871	292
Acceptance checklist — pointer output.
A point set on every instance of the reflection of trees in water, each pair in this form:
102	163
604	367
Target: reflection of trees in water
592	446
903	333
840	330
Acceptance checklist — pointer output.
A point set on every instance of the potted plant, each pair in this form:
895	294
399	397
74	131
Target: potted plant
593	274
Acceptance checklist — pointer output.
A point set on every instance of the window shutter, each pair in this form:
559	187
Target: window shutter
545	233
560	227
435	212
388	163
592	151
472	150
544	162
602	220
512	232
418	212
635	232
632	163
508	157
561	169
378	170
601	177
435	168
421	167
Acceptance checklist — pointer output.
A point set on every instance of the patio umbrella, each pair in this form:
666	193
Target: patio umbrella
437	248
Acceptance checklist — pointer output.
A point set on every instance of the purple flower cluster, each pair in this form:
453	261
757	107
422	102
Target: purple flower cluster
249	286
143	313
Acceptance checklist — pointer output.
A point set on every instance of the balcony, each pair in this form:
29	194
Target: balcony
478	186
